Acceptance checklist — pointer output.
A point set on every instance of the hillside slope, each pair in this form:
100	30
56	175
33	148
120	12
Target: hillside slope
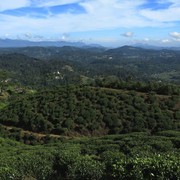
90	110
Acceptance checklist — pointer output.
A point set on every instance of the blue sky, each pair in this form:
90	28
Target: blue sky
106	22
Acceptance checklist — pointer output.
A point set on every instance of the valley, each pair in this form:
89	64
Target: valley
89	113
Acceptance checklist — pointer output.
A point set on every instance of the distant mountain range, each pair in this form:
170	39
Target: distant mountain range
7	43
44	65
18	43
147	46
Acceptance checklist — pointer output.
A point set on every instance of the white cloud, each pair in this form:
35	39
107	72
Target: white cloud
165	41
146	39
28	35
8	4
100	15
163	15
6	35
175	35
65	36
128	34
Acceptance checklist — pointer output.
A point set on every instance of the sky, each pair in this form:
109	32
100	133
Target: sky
105	22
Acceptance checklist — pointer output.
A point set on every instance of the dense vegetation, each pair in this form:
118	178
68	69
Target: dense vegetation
132	156
89	113
91	110
36	73
40	66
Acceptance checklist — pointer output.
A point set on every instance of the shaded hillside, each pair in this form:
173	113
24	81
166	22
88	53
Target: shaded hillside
29	71
123	62
46	53
87	110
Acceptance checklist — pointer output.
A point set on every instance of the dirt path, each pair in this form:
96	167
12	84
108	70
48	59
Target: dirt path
40	135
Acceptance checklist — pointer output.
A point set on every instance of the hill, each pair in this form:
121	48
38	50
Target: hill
29	71
122	63
89	113
90	110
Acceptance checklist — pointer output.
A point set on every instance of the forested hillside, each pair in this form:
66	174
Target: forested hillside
89	113
90	63
92	110
102	92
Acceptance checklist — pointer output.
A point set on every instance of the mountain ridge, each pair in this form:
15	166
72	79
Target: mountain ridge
26	43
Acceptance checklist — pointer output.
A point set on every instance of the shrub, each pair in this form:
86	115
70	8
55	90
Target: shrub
86	168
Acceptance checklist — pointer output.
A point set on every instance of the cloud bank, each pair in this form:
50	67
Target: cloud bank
45	17
175	35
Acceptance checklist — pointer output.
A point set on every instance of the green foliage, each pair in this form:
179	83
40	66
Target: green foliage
169	133
108	100
22	164
66	156
51	66
155	167
86	168
9	173
91	110
126	156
